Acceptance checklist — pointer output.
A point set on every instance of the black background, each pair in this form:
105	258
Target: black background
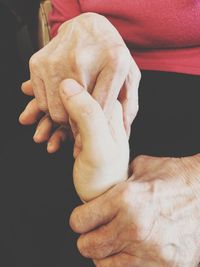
36	189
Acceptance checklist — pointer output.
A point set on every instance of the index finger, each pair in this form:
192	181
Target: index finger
97	212
111	80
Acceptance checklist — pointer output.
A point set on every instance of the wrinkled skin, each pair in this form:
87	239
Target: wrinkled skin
89	50
150	220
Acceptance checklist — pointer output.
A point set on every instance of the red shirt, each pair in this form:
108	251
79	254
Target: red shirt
161	34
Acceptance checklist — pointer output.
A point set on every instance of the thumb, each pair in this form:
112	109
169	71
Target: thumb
85	112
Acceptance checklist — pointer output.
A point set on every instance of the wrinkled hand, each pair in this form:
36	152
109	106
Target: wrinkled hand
89	50
102	154
46	130
151	220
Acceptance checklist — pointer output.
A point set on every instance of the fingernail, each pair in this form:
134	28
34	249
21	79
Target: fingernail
36	136
71	87
21	116
50	147
49	144
37	132
23	84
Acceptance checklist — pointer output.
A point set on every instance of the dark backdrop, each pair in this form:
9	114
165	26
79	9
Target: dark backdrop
36	190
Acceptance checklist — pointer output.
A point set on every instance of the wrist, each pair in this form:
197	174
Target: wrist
90	184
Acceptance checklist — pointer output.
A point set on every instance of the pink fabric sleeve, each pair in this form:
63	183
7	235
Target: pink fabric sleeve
62	10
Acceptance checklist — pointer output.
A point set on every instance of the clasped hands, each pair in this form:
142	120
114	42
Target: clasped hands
149	219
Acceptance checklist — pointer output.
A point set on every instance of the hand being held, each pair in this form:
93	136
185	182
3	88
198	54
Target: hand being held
89	50
102	149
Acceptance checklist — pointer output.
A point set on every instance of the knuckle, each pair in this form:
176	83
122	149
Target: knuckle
33	62
139	160
59	118
133	112
43	106
36	61
137	73
138	164
119	55
127	194
64	26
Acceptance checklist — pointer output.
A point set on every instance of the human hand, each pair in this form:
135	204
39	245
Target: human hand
151	220
102	149
89	50
46	130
